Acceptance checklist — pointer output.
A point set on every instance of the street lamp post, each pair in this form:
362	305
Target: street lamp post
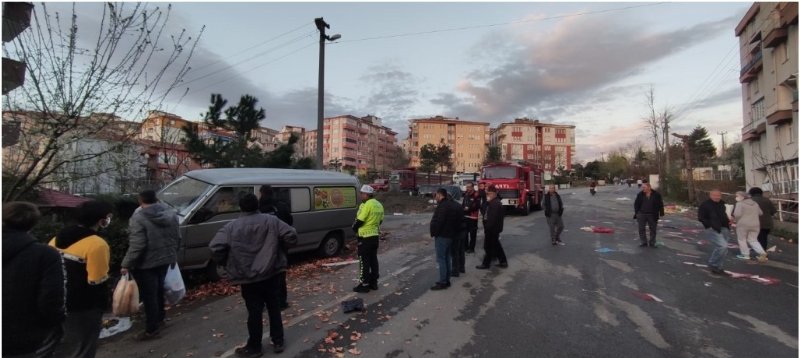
321	26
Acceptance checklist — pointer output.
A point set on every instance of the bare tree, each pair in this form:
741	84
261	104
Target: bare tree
658	130
123	64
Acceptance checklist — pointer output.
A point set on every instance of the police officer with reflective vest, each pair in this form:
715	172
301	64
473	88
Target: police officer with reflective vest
367	227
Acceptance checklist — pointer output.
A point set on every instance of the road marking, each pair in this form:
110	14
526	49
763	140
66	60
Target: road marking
325	307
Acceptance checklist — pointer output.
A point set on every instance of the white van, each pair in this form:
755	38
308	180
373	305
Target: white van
323	205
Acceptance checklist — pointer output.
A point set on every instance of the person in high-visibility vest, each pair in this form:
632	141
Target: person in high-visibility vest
367	227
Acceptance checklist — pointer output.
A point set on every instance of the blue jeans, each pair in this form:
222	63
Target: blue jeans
443	257
719	240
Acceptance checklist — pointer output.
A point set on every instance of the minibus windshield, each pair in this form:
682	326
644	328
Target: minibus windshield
182	193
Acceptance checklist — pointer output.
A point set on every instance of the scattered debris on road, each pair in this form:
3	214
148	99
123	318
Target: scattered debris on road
603	250
340	263
598	229
115	325
675	209
646	296
764	280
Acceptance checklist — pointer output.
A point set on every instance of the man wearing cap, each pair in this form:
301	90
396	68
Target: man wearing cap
492	227
367	227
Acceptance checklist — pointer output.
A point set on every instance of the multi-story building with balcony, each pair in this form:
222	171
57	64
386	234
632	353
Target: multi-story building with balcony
358	143
352	143
467	140
550	145
768	51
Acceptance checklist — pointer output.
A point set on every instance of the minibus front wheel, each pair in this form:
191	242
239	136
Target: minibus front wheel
331	244
215	272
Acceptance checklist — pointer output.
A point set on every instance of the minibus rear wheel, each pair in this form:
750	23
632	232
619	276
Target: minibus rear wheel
331	244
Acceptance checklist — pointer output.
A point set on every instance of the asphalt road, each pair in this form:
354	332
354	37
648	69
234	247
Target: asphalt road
567	301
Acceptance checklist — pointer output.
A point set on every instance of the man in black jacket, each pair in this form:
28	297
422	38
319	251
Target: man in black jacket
472	208
648	207
553	210
717	224
492	227
482	199
765	220
33	284
445	225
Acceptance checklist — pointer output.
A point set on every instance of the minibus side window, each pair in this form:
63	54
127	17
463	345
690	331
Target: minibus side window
224	201
300	199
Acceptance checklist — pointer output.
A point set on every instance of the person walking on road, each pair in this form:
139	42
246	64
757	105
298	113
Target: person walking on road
648	208
717	229
553	210
746	215
33	285
492	227
86	262
445	225
152	246
250	250
267	205
367	225
472	207
765	220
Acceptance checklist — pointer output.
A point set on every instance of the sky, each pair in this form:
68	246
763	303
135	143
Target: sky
584	64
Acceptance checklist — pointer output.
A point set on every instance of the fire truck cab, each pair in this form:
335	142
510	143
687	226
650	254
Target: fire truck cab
519	186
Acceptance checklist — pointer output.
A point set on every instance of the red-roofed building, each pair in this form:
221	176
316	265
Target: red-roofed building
49	198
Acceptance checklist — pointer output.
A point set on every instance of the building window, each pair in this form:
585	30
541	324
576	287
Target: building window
757	110
785	134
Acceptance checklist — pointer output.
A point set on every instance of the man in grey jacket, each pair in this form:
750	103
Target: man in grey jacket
250	250
152	246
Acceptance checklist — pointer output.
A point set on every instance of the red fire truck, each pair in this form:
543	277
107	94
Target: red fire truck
518	185
409	179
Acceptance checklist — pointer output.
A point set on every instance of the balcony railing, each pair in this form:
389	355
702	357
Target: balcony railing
753	64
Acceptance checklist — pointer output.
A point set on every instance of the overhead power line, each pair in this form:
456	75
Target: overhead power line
452	29
240	52
251	69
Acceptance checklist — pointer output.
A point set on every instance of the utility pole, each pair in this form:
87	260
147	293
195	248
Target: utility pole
722	137
321	26
690	171
665	179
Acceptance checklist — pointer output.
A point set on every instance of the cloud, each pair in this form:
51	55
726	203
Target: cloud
393	91
724	97
548	70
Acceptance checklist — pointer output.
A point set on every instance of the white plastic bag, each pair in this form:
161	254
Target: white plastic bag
123	324
174	289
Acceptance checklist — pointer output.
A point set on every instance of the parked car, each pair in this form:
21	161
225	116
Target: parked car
323	205
428	191
380	185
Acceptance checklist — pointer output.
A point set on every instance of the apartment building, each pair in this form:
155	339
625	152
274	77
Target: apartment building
300	149
309	141
100	155
468	140
550	145
164	127
768	52
358	143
